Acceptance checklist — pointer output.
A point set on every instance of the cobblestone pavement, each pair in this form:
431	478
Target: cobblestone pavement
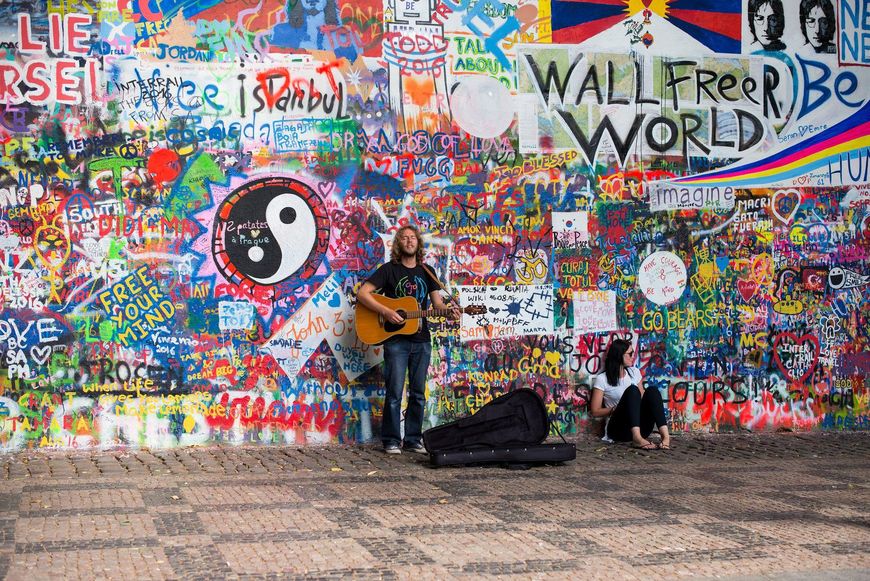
786	506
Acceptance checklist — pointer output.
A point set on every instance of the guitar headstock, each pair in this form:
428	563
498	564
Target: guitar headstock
474	310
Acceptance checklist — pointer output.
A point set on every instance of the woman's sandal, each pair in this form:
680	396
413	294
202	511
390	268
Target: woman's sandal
647	446
664	446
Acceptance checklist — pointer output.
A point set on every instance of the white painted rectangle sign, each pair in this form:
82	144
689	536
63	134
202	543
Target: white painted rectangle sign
511	310
594	311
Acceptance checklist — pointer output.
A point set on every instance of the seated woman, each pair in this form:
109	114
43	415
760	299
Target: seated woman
630	410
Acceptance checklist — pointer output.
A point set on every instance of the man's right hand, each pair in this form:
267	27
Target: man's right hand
393	317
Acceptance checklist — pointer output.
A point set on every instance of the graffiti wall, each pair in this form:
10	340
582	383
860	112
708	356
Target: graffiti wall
192	191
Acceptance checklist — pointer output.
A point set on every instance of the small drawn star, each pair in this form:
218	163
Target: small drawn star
353	77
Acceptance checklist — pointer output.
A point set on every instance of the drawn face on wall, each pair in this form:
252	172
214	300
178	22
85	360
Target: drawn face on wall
269	230
819	27
766	25
314	6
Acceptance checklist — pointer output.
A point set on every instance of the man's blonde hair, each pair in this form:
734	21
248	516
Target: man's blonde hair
396	252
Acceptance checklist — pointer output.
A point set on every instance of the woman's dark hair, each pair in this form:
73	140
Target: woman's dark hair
613	359
775	5
827	32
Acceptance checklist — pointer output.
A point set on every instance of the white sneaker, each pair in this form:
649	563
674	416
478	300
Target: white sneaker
392	449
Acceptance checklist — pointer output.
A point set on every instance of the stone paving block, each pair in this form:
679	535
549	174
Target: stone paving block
187	539
7	533
422	572
650	484
429	513
807	533
839	549
370	532
177	524
461	549
512	568
573	542
724	506
82	500
532	485
505	511
126	563
723	479
847	497
302	558
80	483
728	503
857	514
314	491
395	550
259	520
9	501
164	496
83	527
796	480
155	481
854	475
235	495
539	527
696	518
781	559
175	508
196	561
744	536
582	566
672	558
362	492
652	539
590	508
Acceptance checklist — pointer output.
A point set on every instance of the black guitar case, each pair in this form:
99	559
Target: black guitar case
510	429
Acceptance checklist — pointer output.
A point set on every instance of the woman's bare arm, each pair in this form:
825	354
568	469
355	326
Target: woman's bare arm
596	405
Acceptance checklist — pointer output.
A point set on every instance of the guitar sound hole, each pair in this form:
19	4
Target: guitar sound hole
392	327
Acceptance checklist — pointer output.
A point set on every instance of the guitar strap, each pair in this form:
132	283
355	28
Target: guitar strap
450	298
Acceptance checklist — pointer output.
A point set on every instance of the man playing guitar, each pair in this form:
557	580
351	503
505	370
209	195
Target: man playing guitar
405	355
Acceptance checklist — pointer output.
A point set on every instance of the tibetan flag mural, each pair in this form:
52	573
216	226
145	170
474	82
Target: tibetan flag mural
714	24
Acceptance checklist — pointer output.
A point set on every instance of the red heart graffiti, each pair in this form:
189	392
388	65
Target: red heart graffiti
747	288
787	348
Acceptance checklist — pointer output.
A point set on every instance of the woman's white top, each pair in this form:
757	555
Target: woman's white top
613	393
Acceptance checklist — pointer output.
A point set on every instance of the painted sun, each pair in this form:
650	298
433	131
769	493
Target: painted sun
659	7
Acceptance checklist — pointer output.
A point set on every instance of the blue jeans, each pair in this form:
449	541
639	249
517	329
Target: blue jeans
402	358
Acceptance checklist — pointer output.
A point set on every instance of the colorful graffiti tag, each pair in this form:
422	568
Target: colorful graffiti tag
192	192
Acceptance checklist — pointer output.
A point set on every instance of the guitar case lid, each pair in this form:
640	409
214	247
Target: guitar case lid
500	430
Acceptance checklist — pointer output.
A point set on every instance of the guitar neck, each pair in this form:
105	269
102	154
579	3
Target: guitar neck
426	313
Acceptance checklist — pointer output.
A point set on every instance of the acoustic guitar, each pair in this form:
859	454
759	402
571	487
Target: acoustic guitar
372	328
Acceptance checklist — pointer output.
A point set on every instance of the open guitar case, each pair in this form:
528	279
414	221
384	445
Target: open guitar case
509	430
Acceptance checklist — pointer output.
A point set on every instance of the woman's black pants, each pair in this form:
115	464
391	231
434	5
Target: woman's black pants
634	411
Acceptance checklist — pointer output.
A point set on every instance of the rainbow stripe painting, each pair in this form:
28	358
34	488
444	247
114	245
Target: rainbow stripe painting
839	143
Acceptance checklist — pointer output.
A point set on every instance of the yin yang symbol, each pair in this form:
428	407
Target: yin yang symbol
270	230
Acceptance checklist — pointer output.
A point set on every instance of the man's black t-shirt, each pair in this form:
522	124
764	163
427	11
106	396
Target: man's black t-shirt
395	280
